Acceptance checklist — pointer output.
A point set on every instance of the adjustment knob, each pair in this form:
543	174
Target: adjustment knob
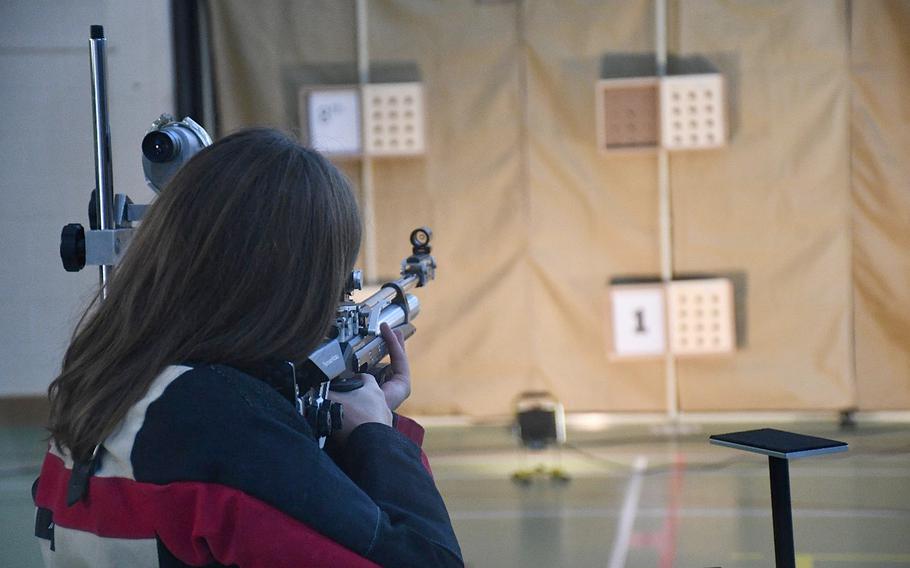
72	247
328	418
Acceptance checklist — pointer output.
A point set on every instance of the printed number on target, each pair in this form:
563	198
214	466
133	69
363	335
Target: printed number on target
637	317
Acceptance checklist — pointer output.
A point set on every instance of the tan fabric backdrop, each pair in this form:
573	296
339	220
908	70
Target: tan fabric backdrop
775	204
880	126
531	222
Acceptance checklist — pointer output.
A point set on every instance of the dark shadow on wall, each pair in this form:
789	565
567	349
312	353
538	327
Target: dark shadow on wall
625	65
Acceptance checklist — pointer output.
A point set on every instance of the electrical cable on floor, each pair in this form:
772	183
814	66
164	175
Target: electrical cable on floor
688	468
579	448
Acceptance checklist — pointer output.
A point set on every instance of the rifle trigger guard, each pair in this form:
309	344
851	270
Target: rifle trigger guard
401	299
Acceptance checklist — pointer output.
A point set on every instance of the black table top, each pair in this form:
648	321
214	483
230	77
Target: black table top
778	443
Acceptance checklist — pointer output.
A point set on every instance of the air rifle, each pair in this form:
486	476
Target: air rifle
354	344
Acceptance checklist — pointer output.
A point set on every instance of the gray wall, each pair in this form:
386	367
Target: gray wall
46	168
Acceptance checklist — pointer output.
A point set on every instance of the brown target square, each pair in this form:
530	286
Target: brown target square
627	112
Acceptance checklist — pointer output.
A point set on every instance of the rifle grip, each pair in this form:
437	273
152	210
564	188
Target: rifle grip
353	383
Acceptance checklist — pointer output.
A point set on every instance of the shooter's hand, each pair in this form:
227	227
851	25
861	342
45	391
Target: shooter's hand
397	388
363	405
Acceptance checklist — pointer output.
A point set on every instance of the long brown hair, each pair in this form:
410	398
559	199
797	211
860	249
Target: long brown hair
241	259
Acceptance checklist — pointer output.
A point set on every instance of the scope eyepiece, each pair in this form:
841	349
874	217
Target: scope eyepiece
160	146
167	146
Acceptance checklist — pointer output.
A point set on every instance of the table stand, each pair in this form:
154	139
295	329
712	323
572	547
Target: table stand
780	447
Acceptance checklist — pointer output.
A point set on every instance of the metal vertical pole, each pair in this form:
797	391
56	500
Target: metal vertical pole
665	221
366	170
781	513
104	176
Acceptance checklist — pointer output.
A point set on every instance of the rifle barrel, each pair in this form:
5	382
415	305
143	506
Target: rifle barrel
387	294
394	314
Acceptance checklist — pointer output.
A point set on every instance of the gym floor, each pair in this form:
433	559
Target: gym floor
638	496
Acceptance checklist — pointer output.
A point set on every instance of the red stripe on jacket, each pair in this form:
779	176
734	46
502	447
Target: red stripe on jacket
413	432
198	522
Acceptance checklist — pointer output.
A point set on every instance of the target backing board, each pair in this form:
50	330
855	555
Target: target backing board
627	114
692	112
701	317
637	318
394	119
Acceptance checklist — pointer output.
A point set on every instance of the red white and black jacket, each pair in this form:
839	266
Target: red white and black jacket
214	467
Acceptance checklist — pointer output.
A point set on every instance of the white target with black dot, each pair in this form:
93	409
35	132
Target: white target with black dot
701	317
394	119
330	119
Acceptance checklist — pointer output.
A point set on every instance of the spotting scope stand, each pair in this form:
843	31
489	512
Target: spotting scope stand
166	146
105	241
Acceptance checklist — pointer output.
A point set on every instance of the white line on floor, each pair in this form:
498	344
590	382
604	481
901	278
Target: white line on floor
761	471
627	516
691	512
